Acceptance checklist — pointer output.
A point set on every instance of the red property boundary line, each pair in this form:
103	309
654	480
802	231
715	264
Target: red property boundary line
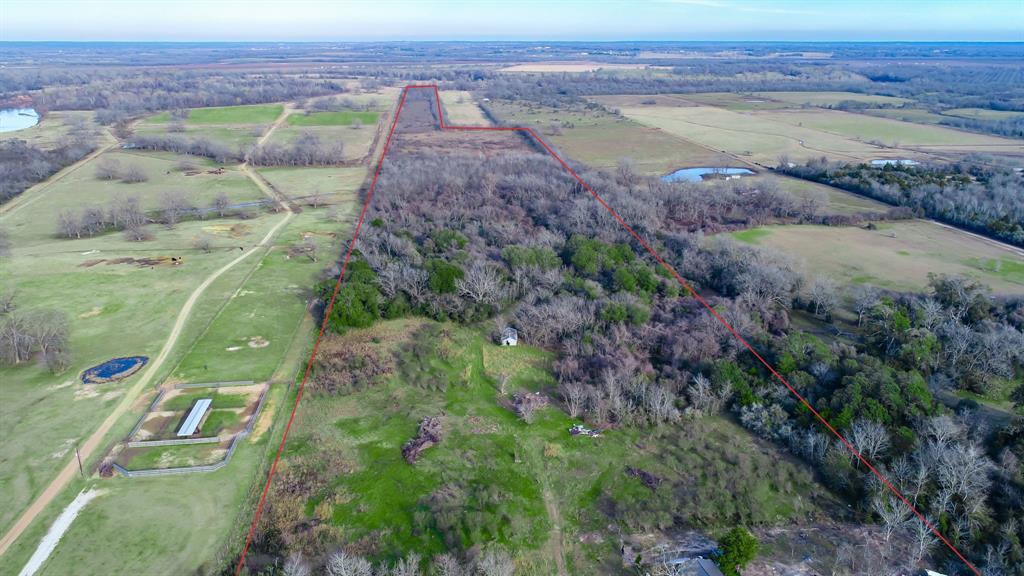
665	265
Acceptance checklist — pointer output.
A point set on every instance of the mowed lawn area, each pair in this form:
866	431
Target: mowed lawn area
342	118
494	478
898	255
251	114
601	139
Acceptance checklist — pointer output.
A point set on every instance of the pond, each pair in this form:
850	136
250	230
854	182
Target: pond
12	119
892	162
698	174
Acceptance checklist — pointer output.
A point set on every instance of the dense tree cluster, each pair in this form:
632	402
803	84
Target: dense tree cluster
196	146
27	334
986	200
119	93
22	165
306	150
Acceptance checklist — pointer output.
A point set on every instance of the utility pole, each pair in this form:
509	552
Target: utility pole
79	456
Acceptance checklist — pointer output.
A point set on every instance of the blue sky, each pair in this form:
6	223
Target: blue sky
318	20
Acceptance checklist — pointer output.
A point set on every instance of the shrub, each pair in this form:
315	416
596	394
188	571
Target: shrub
738	548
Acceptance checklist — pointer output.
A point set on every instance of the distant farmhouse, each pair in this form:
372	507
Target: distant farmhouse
509	336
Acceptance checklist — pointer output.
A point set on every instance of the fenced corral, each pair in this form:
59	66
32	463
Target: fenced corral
245	402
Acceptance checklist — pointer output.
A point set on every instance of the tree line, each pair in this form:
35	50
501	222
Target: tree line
990	201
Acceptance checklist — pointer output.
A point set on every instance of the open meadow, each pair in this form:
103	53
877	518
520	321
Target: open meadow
461	108
897	255
495	478
763	131
601	139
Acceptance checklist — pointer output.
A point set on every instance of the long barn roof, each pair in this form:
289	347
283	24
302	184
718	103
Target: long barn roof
188	427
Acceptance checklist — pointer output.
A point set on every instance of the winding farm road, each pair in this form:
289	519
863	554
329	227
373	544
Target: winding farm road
95	440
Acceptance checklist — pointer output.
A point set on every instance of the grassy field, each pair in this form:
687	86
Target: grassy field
235	137
249	336
838	201
355	140
462	109
601	139
113	312
899	255
917	115
344	118
763	136
337	185
228	313
165	525
891	132
53	129
983	113
237	127
377	499
37	222
252	114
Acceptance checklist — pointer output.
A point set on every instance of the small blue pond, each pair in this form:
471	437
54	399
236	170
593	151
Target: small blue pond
697	174
114	369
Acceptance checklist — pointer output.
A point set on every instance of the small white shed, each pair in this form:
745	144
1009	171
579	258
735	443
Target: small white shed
509	336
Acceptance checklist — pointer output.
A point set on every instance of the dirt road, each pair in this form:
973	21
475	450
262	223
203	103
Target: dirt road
555	535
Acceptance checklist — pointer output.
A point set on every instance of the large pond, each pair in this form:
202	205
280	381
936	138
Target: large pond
894	162
12	119
698	174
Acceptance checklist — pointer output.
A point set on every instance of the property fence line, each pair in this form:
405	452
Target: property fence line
142	420
172	442
214	384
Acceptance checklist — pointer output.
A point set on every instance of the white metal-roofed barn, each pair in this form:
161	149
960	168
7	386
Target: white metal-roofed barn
195	416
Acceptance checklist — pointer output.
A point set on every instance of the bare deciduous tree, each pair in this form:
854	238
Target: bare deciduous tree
864	299
869	438
108	169
220	204
173	206
133	174
893	513
481	284
345	564
296	566
823	295
494	563
574	395
203	242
